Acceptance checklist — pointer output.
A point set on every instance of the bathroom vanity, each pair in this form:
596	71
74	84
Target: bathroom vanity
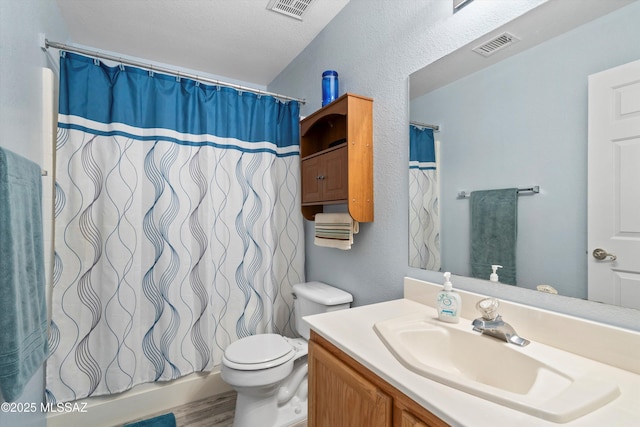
355	379
338	385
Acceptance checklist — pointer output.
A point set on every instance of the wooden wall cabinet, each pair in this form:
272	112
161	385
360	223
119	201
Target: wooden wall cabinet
342	392
336	150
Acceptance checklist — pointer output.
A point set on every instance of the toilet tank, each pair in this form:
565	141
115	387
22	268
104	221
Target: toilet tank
314	298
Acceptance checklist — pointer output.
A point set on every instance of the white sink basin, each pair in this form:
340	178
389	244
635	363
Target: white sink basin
537	379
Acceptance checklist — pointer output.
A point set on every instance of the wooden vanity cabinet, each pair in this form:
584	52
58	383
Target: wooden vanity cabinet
336	151
343	393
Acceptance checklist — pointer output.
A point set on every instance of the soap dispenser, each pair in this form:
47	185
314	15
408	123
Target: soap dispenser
494	276
448	302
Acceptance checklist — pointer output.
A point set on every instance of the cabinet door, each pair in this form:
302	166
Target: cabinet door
407	413
311	182
335	183
325	177
340	397
407	419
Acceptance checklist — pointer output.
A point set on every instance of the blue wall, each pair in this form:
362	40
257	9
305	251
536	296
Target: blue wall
523	122
375	45
21	127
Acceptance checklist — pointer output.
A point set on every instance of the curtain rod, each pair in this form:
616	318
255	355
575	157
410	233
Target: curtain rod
435	128
534	189
62	46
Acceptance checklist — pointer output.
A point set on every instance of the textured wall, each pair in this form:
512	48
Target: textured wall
21	80
374	45
21	112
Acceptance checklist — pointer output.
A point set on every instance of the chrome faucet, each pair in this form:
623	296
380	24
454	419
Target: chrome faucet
491	323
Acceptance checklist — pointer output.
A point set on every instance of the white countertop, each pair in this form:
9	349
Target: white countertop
359	340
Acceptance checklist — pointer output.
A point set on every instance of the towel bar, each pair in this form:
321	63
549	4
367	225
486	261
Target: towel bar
534	189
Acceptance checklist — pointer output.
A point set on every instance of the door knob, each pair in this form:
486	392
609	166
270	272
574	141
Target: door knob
601	254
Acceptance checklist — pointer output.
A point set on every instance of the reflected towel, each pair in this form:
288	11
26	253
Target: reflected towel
335	230
23	315
494	226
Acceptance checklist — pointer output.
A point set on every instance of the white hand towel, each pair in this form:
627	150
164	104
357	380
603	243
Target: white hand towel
335	230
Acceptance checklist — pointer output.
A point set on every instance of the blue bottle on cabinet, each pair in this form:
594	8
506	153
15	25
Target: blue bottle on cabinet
329	87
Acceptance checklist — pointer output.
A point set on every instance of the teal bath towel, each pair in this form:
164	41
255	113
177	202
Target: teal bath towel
23	313
494	227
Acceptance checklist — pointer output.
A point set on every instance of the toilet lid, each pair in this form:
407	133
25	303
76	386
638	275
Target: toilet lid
264	349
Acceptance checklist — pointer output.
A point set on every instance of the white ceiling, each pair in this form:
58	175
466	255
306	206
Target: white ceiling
237	39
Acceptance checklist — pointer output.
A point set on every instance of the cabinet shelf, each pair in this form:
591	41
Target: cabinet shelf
328	150
333	171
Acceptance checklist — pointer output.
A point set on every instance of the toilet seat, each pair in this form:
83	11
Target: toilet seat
256	352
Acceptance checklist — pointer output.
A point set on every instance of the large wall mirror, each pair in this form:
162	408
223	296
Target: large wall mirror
516	119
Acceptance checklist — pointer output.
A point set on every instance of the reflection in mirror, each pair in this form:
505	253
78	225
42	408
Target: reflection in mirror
522	122
424	192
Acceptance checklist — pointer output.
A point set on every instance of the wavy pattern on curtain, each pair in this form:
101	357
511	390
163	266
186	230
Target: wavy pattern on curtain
424	219
178	228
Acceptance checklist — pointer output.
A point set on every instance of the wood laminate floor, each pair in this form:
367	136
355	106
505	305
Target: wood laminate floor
215	411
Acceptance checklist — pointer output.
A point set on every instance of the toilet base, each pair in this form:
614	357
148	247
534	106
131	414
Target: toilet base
292	412
253	411
282	405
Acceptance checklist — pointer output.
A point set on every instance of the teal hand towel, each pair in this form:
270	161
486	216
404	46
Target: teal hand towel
23	314
494	229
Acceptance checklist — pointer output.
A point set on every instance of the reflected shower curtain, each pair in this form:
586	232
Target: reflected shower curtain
178	227
424	214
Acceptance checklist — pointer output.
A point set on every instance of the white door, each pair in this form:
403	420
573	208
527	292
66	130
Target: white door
614	186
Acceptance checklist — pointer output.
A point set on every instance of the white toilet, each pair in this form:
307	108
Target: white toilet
269	371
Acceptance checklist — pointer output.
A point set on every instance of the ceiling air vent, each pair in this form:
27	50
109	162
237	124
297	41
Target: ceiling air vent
495	44
292	8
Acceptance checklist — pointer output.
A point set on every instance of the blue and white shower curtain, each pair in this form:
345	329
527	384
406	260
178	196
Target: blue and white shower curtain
424	194
177	226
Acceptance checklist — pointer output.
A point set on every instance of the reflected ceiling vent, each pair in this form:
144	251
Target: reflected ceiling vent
291	8
495	44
